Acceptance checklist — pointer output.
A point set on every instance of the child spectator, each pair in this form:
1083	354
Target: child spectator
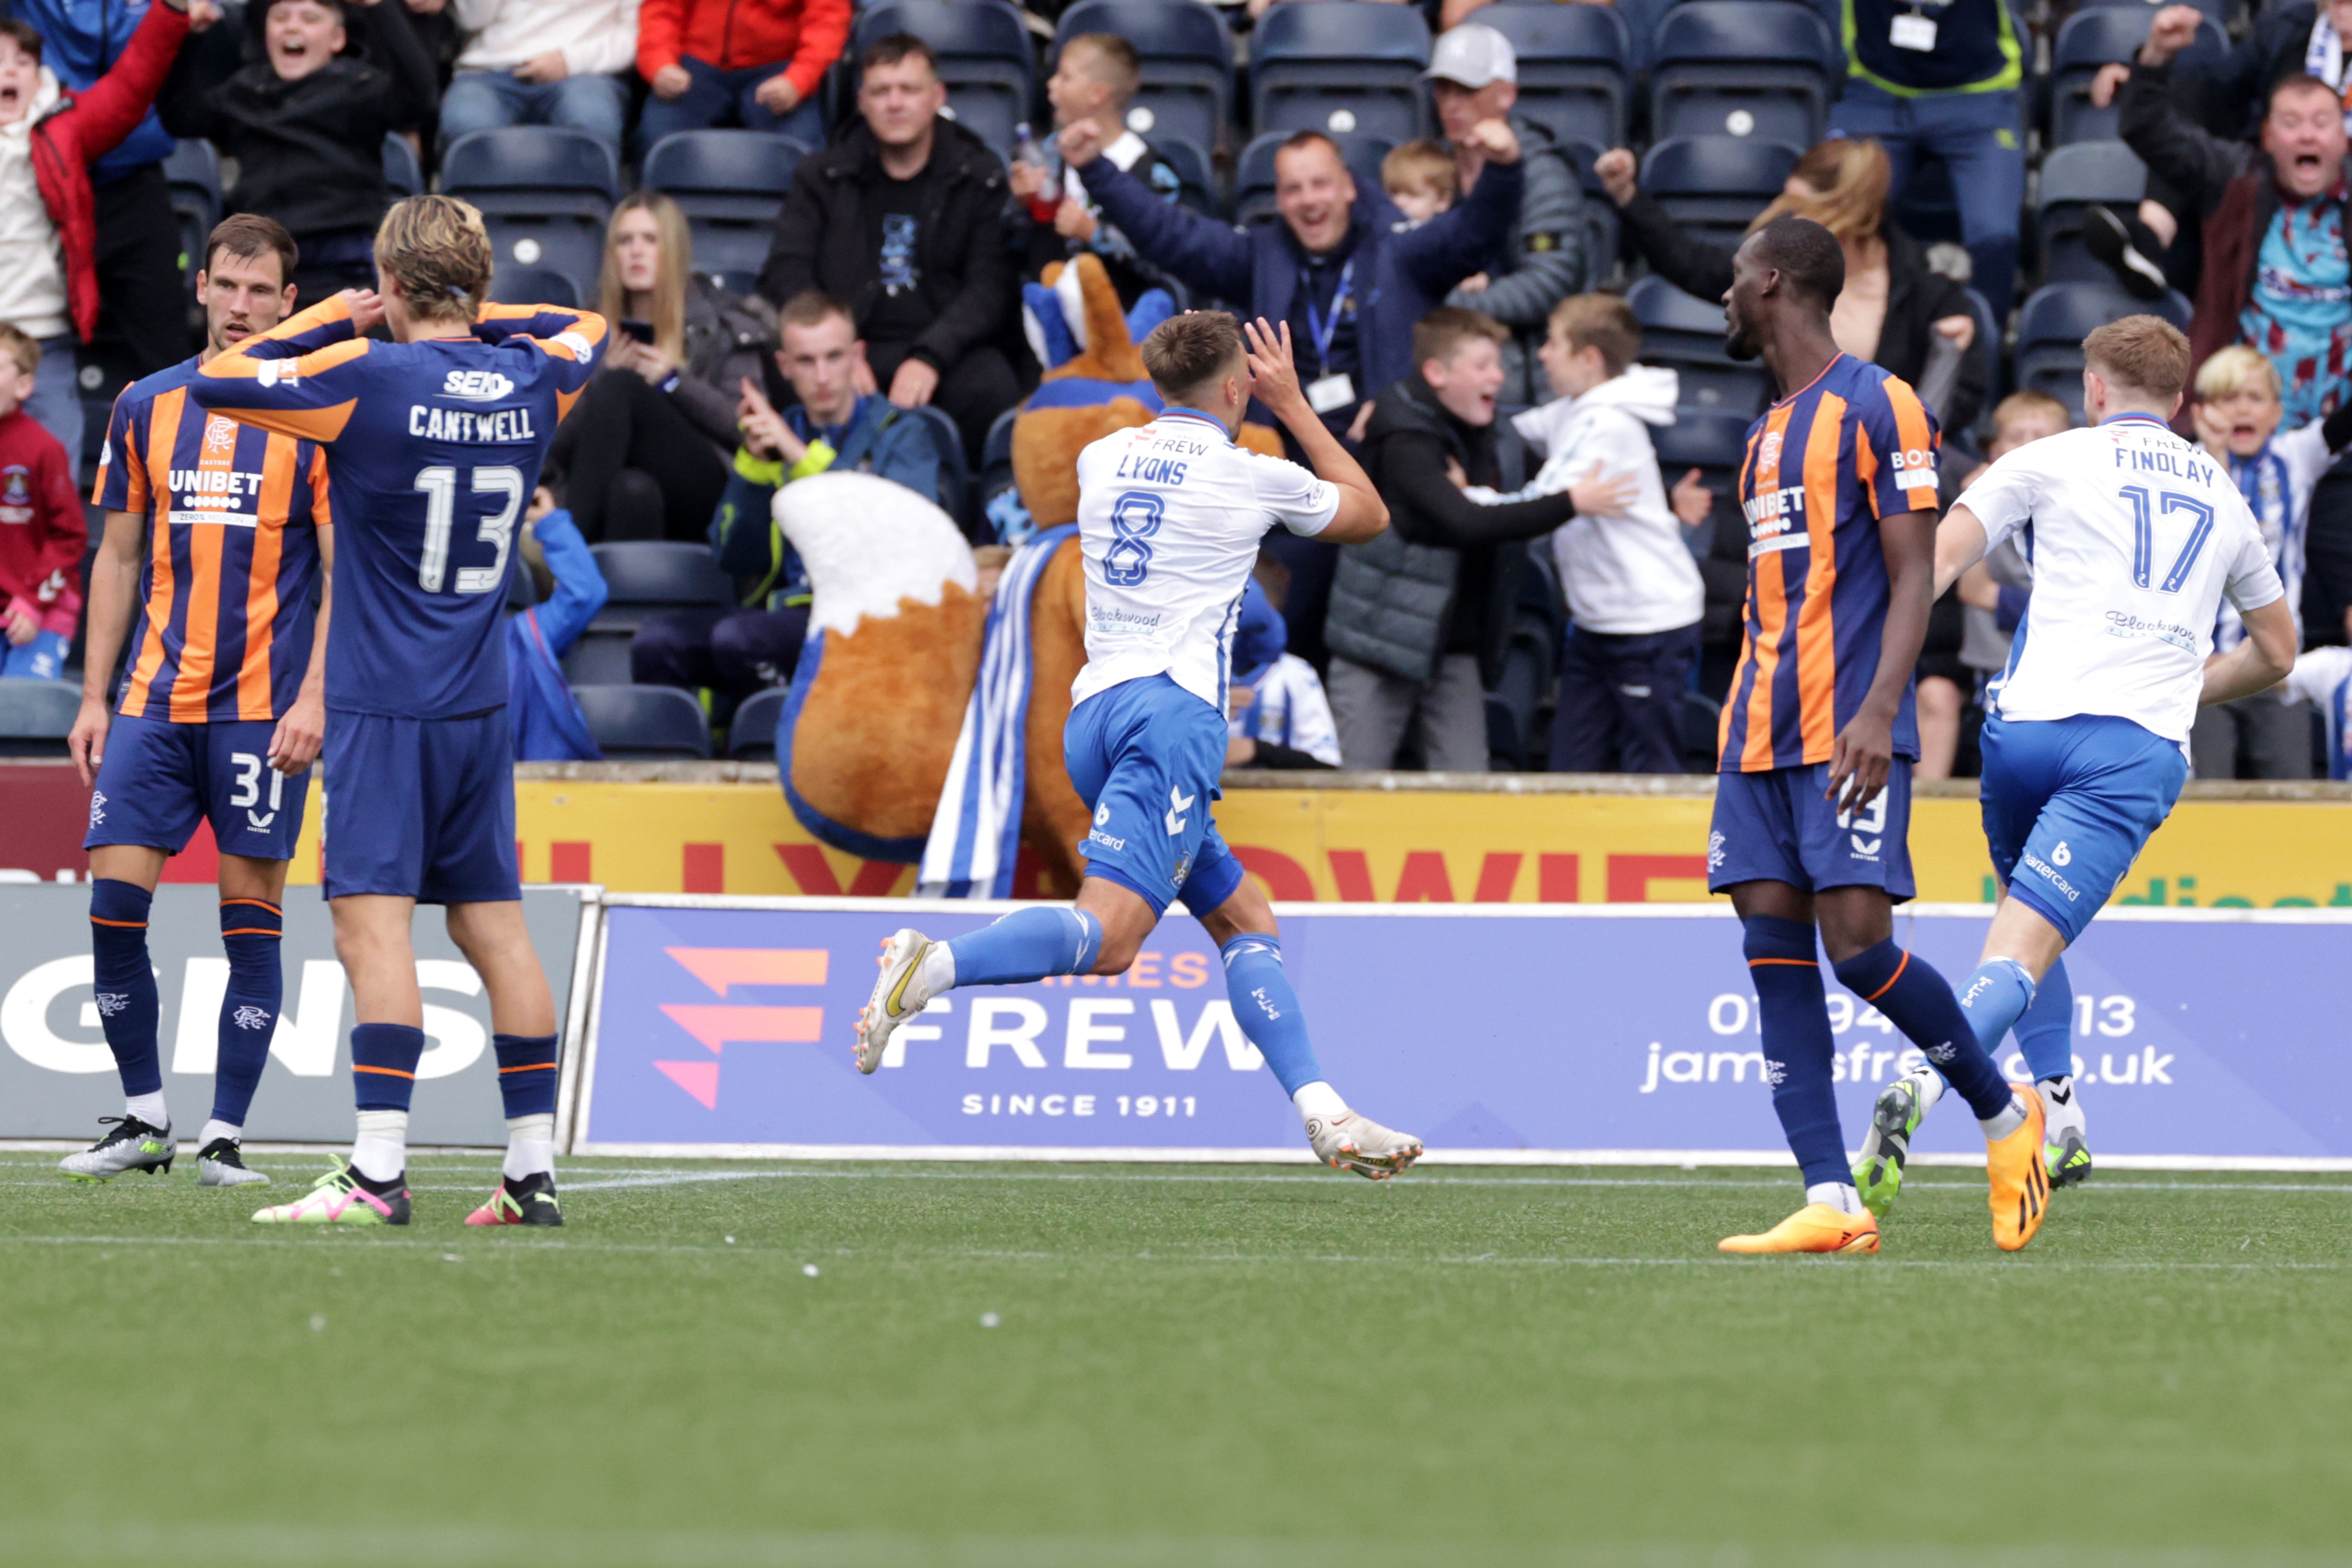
1094	80
2323	678
1633	591
548	724
42	532
1419	178
1276	713
48	226
753	63
306	124
542	62
2238	412
735	652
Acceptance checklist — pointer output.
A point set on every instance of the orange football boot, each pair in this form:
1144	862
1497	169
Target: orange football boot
2020	1182
1816	1227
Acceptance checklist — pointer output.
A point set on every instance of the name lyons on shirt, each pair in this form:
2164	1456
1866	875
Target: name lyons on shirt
1152	470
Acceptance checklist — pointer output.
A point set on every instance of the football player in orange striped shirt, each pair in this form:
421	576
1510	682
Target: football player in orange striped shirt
1812	799
219	536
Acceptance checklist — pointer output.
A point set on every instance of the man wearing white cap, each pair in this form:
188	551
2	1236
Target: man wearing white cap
1474	76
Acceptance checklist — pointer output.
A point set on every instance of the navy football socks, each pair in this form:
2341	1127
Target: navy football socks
251	929
1786	970
1919	1002
527	1074
124	983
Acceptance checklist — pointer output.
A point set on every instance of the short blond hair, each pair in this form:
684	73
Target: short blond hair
18	345
1603	322
1420	166
438	251
2146	353
2026	404
2237	369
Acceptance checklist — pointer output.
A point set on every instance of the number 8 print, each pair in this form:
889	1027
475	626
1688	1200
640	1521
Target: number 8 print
1135	518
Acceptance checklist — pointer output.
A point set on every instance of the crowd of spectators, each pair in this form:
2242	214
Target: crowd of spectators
1549	592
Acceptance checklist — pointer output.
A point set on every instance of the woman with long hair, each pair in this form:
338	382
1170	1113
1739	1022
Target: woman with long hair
1894	308
647	446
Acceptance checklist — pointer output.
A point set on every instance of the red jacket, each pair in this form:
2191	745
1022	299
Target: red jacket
734	34
42	532
82	128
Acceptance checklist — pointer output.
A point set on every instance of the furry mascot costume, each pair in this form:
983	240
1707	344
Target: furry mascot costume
901	604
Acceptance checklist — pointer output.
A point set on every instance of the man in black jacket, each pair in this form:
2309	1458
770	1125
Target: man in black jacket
903	221
1420	617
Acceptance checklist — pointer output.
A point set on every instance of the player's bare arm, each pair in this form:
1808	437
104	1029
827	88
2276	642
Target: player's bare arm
2257	664
1274	381
1960	544
294	744
1864	749
113	598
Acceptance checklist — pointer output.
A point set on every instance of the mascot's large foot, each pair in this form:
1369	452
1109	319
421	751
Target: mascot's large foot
898	995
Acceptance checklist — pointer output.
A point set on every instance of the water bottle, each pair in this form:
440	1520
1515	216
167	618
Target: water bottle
1029	151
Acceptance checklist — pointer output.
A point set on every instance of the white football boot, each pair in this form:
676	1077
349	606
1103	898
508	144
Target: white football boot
221	1164
1353	1142
134	1145
899	994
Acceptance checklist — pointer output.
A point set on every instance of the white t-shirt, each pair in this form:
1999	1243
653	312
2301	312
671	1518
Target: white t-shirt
2135	536
1169	516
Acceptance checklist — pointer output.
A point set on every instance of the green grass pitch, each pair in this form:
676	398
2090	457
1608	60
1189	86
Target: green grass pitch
1218	1366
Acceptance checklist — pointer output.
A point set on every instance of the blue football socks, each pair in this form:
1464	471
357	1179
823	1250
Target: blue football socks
1268	1011
1797	1047
2045	1030
1995	998
251	929
1027	944
124	984
1919	1002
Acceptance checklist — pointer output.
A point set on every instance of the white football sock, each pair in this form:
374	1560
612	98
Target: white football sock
938	970
1996	1127
380	1150
1839	1196
149	1107
530	1146
1931	1086
219	1129
2061	1104
1318	1099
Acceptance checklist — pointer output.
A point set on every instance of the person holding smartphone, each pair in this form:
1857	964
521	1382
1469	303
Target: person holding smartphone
647	446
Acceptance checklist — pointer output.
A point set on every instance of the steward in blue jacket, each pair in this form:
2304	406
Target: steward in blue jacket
1342	266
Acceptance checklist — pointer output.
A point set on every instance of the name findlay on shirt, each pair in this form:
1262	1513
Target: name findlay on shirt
502	426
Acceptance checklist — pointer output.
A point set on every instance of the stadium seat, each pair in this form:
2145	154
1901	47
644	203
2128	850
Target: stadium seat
644	723
1686	333
1254	176
35	716
983	53
533	286
1348	67
2054	322
955	470
995	469
192	174
2097	36
1702	720
730	185
642	577
544	193
401	170
1714	186
2216	11
1713	443
2072	177
1197	188
1188	64
1601	229
751	734
1743	67
1575	67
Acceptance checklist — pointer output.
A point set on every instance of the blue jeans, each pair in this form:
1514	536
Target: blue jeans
481	99
1977	136
727	98
56	403
1620	698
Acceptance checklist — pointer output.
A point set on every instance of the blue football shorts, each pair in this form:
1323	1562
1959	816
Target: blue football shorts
1781	826
156	780
2067	803
421	808
1146	756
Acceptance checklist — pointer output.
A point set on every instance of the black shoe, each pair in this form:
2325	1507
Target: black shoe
521	1200
2110	241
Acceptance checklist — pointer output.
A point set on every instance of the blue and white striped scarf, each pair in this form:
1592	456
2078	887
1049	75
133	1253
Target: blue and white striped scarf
976	832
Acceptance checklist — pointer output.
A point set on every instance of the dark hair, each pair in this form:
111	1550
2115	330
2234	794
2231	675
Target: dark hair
894	48
1806	254
1437	336
811	308
27	36
1297	139
247	236
1184	353
2295	82
334	5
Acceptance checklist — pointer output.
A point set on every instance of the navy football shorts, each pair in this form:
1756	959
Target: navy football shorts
1781	826
421	808
157	780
